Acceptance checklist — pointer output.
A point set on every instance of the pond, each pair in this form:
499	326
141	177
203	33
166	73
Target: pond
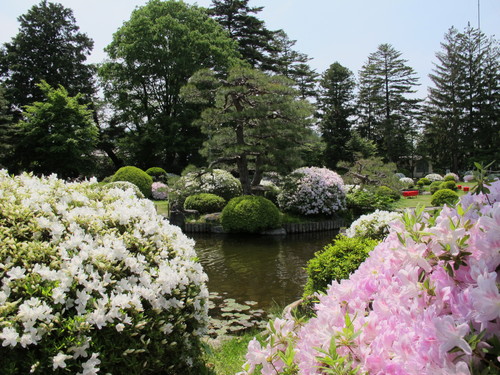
268	270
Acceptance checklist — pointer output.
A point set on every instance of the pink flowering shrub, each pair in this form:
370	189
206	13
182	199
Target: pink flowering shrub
312	191
159	191
426	301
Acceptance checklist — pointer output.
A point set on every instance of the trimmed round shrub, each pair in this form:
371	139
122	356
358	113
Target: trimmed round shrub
125	185
407	182
444	196
374	225
157	173
159	191
94	281
423	182
388	192
451	177
312	191
434	177
435	186
205	203
336	262
136	176
250	214
448	185
217	181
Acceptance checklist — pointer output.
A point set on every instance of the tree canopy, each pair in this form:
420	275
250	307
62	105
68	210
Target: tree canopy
151	57
252	120
57	135
49	47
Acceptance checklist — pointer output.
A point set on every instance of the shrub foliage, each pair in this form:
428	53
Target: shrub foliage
251	214
444	196
94	281
136	176
205	203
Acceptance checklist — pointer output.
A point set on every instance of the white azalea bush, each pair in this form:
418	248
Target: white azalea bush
312	191
407	182
434	177
451	177
94	281
375	225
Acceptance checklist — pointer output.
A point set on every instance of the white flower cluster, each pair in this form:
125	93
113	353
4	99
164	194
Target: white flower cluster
313	191
84	267
407	182
434	177
374	225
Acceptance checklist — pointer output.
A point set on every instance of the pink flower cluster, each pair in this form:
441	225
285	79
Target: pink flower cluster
313	191
415	303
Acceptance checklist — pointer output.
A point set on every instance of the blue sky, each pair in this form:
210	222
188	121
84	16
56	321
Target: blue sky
346	31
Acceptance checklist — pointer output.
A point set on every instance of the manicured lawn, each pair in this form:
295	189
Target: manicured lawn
161	207
421	199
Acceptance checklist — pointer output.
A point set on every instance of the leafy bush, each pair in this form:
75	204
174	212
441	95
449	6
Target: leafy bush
94	281
423	302
388	192
205	203
423	182
159	191
451	177
271	191
468	178
157	174
374	225
136	176
443	196
434	177
251	214
312	191
217	181
336	262
361	201
435	186
125	185
400	175
407	182
448	185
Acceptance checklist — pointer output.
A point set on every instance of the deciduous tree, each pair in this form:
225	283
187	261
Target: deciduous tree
57	135
151	57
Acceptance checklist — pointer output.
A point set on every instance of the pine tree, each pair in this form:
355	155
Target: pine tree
336	110
6	130
253	38
387	112
463	106
49	47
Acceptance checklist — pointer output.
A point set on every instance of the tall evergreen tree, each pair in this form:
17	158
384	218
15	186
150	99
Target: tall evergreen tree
464	104
49	47
387	112
293	64
336	105
251	34
151	57
6	130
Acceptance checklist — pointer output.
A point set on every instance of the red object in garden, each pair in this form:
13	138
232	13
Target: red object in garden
410	193
466	188
459	187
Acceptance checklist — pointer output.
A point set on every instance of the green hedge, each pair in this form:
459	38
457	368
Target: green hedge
251	214
336	262
443	196
204	203
136	176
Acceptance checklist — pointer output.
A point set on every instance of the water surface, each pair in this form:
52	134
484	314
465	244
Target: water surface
266	269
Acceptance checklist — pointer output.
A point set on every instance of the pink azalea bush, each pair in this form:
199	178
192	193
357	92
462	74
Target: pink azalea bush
312	191
426	301
159	191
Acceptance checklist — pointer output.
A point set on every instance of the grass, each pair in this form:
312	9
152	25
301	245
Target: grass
424	200
161	207
229	356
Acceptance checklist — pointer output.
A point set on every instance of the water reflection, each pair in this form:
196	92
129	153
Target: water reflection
265	269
